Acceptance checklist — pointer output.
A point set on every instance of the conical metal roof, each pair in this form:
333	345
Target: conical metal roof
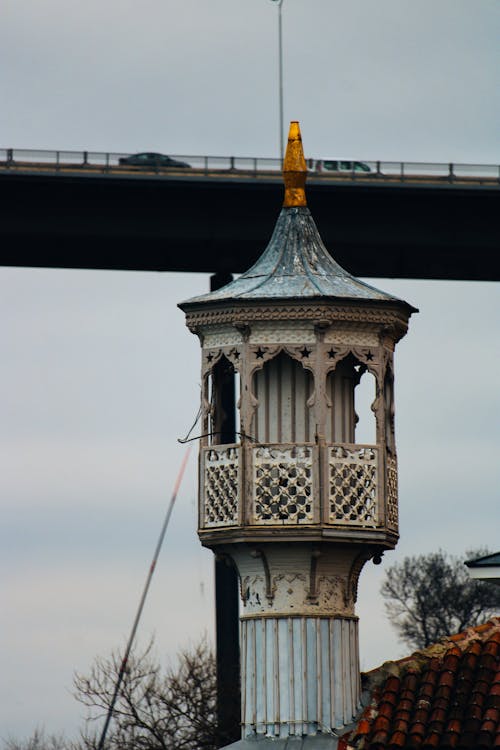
295	264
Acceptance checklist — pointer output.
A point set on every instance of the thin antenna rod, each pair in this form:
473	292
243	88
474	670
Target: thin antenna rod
123	665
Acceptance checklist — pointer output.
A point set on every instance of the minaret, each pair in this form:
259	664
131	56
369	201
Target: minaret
296	504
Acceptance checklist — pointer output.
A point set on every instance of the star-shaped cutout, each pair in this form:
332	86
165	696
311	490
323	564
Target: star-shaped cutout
369	356
305	352
260	353
210	357
332	353
236	354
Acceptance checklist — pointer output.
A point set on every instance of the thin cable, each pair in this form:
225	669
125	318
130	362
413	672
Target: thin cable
123	665
198	415
211	434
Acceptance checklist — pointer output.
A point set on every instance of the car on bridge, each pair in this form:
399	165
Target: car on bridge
150	159
335	165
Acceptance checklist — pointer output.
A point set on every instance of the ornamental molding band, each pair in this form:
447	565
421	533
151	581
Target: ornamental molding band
394	320
296	361
292	332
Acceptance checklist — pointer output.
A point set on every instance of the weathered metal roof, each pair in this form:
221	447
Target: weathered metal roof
485	561
295	264
310	742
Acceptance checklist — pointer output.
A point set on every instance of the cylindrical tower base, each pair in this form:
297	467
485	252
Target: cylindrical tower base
300	675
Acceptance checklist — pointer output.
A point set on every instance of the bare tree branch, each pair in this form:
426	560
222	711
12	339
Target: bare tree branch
154	710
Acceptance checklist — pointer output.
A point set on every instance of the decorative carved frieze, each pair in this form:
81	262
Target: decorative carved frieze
222	336
394	320
352	337
281	582
253	593
287	332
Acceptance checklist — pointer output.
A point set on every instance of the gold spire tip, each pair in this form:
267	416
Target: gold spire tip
294	169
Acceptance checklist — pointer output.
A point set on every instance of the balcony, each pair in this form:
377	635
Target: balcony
340	485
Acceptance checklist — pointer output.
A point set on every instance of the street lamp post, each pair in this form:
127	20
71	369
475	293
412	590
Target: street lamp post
280	74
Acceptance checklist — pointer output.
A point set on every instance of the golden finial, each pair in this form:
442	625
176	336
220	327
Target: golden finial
294	169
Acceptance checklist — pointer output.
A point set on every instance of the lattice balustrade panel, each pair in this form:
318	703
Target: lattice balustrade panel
392	515
221	486
283	484
353	475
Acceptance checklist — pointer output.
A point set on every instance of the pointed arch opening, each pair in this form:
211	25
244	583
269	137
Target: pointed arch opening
390	440
283	389
350	391
366	423
223	397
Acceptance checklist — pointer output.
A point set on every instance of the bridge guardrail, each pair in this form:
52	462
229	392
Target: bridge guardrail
103	162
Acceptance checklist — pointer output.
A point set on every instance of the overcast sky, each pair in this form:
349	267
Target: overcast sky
99	375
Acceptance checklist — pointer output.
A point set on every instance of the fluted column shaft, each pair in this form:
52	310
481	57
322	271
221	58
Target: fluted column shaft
300	675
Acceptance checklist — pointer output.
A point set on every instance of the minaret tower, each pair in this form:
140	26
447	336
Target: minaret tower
296	503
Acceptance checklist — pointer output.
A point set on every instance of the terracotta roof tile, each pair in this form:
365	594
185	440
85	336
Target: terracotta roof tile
381	724
390	698
402	716
397	740
400	725
414	741
392	685
431	741
418	728
447	696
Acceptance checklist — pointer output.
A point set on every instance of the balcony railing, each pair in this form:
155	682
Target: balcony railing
357	484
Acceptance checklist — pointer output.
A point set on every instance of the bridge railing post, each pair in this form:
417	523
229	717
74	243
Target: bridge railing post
451	175
402	171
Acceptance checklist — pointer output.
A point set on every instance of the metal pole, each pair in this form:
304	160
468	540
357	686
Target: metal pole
280	52
280	77
226	586
152	567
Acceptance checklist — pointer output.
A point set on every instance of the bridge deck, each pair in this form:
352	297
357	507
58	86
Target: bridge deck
78	218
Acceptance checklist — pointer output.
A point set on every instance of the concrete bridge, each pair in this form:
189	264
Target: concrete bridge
220	220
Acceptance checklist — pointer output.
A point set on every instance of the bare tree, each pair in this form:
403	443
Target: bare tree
430	596
154	710
38	740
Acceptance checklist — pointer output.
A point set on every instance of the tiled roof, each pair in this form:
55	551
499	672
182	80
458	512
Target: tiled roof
447	696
